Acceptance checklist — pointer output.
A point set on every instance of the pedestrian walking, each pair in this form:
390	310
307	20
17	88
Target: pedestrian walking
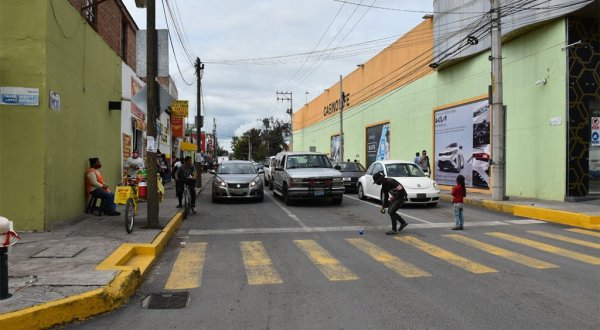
424	163
458	193
396	194
417	158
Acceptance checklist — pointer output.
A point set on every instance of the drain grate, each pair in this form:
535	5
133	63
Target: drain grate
171	300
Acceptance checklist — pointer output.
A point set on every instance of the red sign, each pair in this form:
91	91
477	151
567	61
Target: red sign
177	127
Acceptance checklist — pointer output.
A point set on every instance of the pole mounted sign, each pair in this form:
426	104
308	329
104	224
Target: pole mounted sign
179	109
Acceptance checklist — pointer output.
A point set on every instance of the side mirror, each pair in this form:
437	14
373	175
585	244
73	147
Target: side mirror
211	171
260	170
278	168
337	167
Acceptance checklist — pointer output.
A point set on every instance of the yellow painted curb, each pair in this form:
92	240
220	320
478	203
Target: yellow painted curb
567	218
131	260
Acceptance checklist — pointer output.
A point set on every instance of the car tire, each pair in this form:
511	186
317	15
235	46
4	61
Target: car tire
270	184
261	199
432	204
285	196
361	192
337	200
214	199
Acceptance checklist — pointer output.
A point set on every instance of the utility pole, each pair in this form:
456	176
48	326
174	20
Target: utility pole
498	111
249	148
341	121
199	120
152	100
287	96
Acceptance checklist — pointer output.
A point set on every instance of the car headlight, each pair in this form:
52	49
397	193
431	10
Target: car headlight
297	180
435	185
347	179
255	182
220	182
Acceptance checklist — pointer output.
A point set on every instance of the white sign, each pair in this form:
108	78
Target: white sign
20	96
150	144
54	100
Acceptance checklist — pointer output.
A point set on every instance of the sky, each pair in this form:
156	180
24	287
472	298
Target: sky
255	48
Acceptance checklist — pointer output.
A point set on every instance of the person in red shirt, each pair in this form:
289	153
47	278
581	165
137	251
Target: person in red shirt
458	193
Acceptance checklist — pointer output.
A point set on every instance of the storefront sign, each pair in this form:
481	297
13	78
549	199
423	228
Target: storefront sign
378	143
135	88
462	144
20	96
177	127
179	109
126	146
334	106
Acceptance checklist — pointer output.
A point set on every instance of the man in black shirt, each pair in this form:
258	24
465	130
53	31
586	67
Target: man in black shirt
396	194
186	175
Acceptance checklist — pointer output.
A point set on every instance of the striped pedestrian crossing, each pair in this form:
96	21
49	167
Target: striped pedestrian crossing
188	268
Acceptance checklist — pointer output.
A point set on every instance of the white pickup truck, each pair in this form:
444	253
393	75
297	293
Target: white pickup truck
306	175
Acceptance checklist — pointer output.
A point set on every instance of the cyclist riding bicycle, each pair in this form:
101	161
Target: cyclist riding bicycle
186	175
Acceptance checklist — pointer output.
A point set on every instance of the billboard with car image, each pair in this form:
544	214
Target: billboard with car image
462	144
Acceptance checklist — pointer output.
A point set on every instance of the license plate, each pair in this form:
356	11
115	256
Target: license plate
319	192
237	192
421	195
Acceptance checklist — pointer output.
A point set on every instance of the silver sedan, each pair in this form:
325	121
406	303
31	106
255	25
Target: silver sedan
237	179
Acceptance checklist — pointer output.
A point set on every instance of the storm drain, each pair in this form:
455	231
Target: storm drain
170	300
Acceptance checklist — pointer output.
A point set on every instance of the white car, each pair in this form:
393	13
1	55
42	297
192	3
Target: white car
420	188
451	158
481	167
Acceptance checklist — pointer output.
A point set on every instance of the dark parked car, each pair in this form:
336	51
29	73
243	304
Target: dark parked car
237	179
351	172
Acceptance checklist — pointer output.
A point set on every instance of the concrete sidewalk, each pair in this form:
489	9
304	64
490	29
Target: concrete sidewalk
581	214
83	267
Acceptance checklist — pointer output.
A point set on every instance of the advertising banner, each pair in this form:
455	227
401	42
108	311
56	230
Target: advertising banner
179	109
462	144
378	143
335	151
177	127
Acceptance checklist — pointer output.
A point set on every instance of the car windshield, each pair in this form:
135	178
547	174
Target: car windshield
241	168
452	145
308	161
351	167
403	170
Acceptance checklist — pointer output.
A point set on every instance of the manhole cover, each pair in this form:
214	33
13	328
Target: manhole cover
171	300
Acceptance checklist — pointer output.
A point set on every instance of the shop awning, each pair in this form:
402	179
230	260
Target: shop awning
186	146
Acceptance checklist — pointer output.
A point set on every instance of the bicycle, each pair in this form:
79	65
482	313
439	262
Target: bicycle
187	199
127	194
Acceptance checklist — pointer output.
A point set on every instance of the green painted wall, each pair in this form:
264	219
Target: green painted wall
44	152
535	149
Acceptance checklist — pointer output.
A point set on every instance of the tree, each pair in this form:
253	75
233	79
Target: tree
266	141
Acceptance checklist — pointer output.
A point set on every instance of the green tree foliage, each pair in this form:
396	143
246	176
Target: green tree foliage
265	141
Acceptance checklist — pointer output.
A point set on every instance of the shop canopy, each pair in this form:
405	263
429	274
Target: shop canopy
186	146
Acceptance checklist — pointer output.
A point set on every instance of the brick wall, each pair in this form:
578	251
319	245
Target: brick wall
111	17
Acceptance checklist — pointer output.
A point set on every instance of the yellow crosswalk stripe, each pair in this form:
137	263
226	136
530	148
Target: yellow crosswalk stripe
327	264
259	267
448	256
390	261
583	231
507	254
548	248
187	270
565	239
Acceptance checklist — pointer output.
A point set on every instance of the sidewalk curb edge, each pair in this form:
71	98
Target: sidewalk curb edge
131	260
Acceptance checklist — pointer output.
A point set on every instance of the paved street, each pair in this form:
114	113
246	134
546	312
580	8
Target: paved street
270	266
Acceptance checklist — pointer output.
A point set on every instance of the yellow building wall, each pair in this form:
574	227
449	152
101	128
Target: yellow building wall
397	65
